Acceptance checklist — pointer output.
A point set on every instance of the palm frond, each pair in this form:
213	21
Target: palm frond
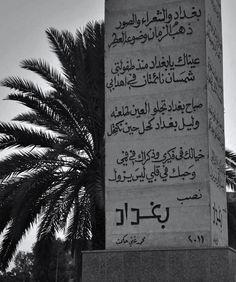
23	86
23	162
231	178
7	142
42	68
5	218
230	159
28	136
61	49
26	206
80	215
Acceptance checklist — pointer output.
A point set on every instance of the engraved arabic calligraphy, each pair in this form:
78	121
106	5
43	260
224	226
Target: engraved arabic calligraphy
140	72
162	107
155	25
155	119
130	240
134	216
154	156
150	165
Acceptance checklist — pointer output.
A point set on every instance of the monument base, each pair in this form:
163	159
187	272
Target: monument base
190	265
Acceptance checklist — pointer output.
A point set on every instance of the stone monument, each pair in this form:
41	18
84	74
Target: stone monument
165	166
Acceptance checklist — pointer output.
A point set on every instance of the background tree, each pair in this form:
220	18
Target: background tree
7	276
53	263
22	270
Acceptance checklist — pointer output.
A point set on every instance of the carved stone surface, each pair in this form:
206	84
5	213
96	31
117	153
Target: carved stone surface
164	175
179	265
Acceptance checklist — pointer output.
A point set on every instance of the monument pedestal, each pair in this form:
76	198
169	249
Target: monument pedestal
177	265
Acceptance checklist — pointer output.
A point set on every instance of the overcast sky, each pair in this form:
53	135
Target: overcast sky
22	34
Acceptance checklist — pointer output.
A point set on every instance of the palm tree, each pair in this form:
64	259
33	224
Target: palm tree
56	175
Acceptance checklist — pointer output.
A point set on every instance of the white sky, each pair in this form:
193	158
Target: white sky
22	26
